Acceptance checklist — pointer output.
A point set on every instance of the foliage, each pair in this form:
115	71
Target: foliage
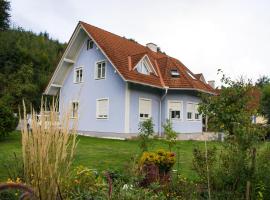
8	122
4	14
84	183
230	107
146	128
162	159
27	61
262	81
265	105
170	134
47	150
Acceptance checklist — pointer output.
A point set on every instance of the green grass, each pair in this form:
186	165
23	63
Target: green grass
104	154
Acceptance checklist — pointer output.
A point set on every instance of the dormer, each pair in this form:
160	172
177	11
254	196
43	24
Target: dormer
144	66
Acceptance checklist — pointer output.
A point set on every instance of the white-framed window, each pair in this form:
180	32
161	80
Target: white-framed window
190	111
74	109
102	108
100	70
175	110
90	44
196	112
144	108
143	68
78	75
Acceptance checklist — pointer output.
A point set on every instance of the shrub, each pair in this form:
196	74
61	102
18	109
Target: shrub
8	122
146	129
170	134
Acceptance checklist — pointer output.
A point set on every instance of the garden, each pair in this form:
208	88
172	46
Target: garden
53	162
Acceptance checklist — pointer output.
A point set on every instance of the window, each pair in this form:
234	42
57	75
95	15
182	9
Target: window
74	109
175	108
143	68
90	44
144	108
102	111
100	70
197	115
190	111
175	73
78	75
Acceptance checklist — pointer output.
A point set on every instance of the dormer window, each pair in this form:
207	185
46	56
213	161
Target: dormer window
90	44
175	73
143	68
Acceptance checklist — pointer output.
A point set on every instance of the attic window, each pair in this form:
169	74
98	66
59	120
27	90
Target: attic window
143	68
191	75
90	44
175	73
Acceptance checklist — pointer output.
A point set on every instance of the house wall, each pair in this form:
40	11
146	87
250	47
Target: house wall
137	92
113	87
183	125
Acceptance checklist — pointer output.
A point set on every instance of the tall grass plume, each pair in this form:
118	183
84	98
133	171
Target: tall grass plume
48	147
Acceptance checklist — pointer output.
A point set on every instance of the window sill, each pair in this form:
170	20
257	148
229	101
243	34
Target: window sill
100	78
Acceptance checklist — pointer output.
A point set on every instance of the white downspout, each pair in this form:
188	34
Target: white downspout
160	102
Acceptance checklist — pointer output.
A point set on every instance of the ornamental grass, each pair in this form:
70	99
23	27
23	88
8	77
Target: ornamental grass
48	146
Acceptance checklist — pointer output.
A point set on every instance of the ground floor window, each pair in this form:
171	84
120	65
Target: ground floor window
175	109
74	109
102	109
144	108
193	111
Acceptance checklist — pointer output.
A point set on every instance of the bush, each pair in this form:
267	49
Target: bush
146	129
8	122
170	134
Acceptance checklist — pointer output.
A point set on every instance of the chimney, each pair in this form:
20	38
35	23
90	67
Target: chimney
212	84
152	46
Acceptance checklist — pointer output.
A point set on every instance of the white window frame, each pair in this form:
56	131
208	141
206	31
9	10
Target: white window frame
150	114
196	112
97	108
96	70
181	109
192	112
72	111
88	42
75	74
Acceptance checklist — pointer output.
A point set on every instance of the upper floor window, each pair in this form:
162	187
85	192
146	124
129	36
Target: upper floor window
144	108
90	44
78	75
74	109
101	70
175	109
102	111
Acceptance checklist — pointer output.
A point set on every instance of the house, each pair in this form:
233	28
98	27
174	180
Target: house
111	83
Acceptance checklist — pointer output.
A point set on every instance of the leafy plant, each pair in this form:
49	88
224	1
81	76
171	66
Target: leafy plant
146	129
170	134
8	122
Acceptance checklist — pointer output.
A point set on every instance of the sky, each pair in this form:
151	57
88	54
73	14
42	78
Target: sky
205	35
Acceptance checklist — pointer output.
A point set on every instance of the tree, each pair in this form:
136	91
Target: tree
4	14
230	107
8	121
265	102
262	81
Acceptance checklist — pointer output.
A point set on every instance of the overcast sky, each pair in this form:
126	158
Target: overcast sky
205	35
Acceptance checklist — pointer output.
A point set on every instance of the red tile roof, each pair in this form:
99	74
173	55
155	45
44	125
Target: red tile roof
123	52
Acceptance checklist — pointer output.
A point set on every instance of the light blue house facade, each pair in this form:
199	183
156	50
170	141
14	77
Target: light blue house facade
109	87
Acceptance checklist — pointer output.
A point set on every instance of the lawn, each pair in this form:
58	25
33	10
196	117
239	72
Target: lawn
104	154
